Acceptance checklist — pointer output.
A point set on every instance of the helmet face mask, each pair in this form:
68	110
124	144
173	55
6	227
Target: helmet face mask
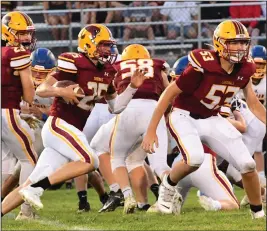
236	55
104	52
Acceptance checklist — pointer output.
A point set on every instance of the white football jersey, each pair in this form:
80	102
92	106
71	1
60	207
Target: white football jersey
42	102
260	91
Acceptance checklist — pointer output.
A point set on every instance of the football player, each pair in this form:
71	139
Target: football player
210	81
42	63
89	74
130	126
17	138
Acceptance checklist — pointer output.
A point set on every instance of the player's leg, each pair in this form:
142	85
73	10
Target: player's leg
158	161
49	161
100	145
137	174
153	183
183	130
227	142
19	138
216	189
71	143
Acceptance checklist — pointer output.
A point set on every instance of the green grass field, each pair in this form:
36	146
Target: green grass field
60	206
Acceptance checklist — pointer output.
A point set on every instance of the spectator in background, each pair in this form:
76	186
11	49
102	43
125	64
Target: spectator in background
137	16
245	11
7	6
87	17
212	12
157	16
58	18
180	15
102	16
262	24
118	17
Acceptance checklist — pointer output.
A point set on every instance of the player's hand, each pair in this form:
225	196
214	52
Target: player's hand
149	140
235	104
69	95
36	112
138	77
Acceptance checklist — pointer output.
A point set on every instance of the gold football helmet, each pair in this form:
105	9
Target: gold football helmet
14	25
230	32
135	51
96	41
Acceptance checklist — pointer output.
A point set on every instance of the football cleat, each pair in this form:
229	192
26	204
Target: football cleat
84	207
23	217
154	208
258	215
114	201
170	200
129	205
144	208
32	196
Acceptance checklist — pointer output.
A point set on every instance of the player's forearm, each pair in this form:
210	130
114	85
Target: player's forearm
45	91
118	104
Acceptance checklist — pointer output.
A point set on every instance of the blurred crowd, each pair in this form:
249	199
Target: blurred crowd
181	17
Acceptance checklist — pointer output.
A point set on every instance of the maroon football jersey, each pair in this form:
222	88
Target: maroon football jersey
93	80
152	87
14	59
206	86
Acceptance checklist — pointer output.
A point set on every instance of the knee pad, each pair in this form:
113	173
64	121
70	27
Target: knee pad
117	162
248	166
196	159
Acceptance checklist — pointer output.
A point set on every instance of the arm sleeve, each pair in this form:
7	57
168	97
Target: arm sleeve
189	80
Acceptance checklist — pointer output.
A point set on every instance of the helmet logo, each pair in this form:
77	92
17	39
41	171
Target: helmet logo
93	31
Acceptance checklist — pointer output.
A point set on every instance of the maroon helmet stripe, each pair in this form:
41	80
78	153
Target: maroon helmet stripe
241	27
26	17
237	31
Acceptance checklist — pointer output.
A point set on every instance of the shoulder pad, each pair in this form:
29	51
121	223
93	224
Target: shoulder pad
201	59
67	62
19	58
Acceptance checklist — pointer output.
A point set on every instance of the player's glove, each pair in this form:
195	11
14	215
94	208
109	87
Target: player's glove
235	104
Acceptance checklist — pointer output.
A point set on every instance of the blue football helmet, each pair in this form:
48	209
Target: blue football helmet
179	66
259	55
43	62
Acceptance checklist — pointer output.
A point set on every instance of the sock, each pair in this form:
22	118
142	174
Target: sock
155	190
127	191
2	214
255	208
82	197
44	183
170	182
114	187
103	198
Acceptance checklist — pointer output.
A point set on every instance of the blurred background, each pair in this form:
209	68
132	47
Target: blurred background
168	29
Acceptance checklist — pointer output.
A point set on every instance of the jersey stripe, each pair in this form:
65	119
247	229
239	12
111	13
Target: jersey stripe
67	70
66	59
194	62
20	62
22	67
67	65
20	57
